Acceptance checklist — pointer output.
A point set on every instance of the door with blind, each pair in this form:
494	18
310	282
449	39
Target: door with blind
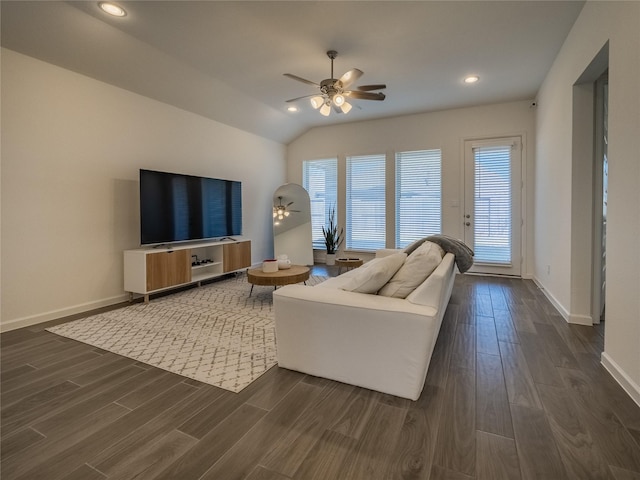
492	216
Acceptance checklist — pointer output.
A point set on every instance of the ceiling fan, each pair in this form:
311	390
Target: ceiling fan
335	92
281	210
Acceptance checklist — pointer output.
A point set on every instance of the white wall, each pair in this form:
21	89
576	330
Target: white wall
71	151
446	130
619	24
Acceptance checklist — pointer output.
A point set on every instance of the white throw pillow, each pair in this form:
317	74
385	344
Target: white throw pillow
371	276
415	270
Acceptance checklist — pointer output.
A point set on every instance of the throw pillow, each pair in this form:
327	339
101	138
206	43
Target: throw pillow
415	270
413	246
371	276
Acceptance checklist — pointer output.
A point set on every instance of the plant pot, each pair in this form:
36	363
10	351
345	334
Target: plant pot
331	259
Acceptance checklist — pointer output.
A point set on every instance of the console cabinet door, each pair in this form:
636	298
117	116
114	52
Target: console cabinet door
166	269
236	256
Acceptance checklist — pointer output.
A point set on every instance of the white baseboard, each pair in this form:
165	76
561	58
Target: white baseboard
629	386
569	317
565	314
581	319
63	312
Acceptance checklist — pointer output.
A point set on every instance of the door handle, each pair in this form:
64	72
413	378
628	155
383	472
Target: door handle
467	223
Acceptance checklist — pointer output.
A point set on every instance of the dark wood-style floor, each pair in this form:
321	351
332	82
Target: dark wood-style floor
513	391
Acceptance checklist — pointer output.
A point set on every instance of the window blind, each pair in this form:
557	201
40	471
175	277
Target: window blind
365	225
320	179
492	204
418	195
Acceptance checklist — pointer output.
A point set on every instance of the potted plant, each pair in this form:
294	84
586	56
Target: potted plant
333	237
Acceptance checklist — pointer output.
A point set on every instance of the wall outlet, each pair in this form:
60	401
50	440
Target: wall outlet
548	269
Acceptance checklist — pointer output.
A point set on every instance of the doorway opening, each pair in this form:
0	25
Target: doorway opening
589	168
600	190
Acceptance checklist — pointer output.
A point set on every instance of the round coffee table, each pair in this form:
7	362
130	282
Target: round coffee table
295	274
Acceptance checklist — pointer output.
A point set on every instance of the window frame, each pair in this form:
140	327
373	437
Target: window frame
327	204
431	160
354	226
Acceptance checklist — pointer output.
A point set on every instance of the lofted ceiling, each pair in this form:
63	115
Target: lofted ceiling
226	60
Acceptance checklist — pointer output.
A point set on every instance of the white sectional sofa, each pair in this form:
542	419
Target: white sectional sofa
372	341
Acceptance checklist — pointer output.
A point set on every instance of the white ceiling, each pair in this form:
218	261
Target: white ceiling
225	60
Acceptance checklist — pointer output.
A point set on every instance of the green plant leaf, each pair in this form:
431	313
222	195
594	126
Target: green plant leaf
333	236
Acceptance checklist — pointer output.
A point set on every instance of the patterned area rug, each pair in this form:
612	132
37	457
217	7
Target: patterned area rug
216	334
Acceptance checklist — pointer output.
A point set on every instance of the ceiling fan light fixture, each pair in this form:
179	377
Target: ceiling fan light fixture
325	109
334	92
317	102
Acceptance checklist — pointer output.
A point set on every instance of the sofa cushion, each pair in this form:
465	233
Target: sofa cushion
417	267
371	276
413	246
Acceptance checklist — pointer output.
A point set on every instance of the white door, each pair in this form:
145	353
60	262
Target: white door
492	217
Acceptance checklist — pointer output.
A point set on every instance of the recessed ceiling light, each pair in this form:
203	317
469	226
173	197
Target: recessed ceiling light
471	79
292	108
112	9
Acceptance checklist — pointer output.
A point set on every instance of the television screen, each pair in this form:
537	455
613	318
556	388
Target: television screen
176	208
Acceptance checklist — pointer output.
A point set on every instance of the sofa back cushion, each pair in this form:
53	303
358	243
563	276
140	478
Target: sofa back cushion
417	267
371	276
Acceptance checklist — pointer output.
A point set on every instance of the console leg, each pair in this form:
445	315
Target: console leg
146	298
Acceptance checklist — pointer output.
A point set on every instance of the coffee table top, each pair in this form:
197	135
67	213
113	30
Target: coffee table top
295	274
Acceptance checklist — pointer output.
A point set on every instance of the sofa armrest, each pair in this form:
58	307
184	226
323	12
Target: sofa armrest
436	289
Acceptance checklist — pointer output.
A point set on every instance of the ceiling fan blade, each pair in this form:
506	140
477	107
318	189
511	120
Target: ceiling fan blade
368	88
290	203
365	95
300	98
351	76
300	79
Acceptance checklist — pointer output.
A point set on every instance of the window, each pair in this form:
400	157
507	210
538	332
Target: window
418	195
365	202
320	179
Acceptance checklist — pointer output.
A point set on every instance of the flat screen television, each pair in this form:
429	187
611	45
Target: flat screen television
179	208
